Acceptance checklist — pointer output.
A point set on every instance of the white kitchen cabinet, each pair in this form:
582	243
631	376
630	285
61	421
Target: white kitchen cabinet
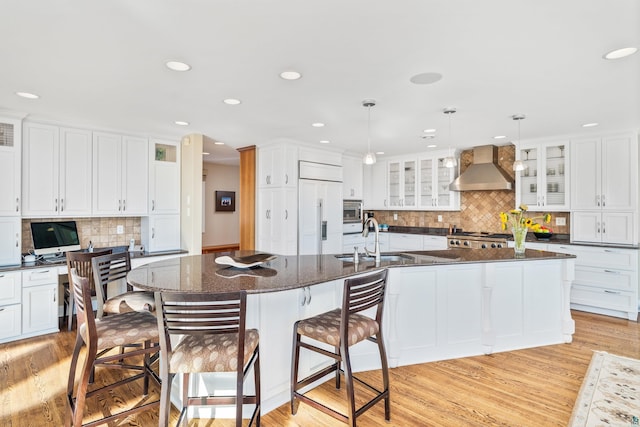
10	240
434	243
352	170
277	220
278	166
164	177
278	313
120	175
402	183
350	241
434	179
57	171
545	181
375	186
606	280
160	232
405	242
39	301
604	173
10	166
320	217
10	307
602	227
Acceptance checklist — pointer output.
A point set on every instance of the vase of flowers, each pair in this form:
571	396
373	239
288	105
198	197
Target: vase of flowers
518	223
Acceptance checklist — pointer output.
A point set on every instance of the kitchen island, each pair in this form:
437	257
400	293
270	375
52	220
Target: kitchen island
439	304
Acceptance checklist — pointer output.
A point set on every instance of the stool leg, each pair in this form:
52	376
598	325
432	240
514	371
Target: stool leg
385	376
165	399
256	380
71	307
348	379
337	350
294	368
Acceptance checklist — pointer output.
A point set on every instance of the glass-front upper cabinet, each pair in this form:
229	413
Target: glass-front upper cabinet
434	180
402	183
545	182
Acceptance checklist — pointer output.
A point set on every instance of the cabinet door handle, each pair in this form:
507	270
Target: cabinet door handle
385	202
124	205
61	205
153	205
309	297
56	203
611	271
602	200
17	204
286	214
268	179
153	232
597	200
2	309
607	291
598	227
54	294
286	178
304	297
603	229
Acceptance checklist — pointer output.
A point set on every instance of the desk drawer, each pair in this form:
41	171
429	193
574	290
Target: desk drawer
621	280
603	298
39	276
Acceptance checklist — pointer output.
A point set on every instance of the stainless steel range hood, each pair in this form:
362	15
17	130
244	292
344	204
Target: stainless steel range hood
484	173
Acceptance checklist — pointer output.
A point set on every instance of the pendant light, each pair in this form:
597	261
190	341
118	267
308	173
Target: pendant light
370	157
450	160
518	165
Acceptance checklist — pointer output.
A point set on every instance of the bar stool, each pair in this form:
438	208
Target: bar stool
209	335
342	328
115	267
100	337
81	261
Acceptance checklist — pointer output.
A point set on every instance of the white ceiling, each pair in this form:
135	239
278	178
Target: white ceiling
101	64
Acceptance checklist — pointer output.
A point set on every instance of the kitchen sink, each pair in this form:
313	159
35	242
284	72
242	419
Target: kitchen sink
383	258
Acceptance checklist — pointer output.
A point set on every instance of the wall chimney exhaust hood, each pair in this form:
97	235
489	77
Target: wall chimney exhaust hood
484	173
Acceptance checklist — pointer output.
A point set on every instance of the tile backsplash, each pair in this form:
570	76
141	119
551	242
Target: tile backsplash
102	232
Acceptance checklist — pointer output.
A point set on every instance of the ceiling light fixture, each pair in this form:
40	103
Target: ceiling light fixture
317	125
28	95
177	66
181	123
590	125
518	165
232	101
290	75
620	53
204	153
431	146
380	153
450	160
429	130
324	141
499	137
370	157
218	143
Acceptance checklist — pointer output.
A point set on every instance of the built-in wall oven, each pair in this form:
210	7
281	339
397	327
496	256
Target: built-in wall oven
352	216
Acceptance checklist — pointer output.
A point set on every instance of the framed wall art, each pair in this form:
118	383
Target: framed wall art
225	201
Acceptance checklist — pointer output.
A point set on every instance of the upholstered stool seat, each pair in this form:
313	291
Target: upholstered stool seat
342	328
130	301
134	327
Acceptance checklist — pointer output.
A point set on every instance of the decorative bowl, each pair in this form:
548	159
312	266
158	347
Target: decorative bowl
543	236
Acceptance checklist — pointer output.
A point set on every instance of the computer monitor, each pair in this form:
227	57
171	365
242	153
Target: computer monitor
54	238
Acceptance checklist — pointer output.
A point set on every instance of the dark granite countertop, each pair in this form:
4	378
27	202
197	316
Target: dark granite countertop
200	273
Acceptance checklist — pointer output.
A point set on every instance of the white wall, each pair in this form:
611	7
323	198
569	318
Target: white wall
220	228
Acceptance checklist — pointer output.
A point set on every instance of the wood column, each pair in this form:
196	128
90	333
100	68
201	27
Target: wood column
247	197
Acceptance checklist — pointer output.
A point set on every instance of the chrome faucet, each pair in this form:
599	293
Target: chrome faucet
365	233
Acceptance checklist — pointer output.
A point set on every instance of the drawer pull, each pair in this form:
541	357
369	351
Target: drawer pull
606	291
612	271
41	272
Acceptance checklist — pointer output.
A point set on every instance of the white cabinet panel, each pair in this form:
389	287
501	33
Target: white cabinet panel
545	181
352	178
603	227
402	183
10	322
277	220
434	179
10	287
405	242
164	179
10	166
376	186
40	309
10	241
160	232
278	166
120	175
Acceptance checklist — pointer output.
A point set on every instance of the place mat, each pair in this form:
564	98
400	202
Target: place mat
610	393
246	261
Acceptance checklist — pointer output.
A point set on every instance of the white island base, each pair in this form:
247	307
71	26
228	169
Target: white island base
432	312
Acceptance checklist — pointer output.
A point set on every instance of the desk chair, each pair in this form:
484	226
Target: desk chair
81	261
113	267
210	335
101	336
342	328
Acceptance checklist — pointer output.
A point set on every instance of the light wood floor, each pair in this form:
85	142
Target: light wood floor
535	387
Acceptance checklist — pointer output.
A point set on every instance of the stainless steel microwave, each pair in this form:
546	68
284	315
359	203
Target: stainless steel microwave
351	211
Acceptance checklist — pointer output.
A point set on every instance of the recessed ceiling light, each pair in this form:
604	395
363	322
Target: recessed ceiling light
204	153
218	143
431	146
232	101
177	66
429	130
379	153
427	136
620	53
181	123
499	137
290	75
28	95
317	125
425	78
324	141
590	125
